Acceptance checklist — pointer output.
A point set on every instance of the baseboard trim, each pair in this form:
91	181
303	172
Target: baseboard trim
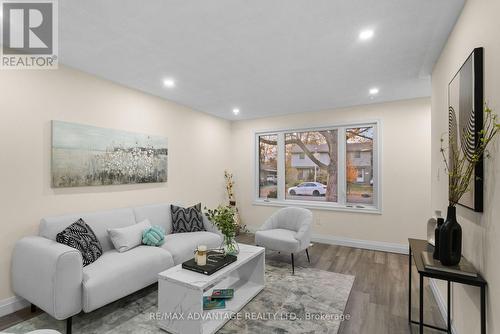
441	302
355	243
364	244
11	305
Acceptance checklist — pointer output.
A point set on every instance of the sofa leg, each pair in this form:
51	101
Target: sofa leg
307	253
33	308
69	325
293	266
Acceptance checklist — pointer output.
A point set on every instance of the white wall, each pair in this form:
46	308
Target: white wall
405	171
478	25
198	150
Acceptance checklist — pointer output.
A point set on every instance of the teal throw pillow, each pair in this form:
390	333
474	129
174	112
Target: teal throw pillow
153	236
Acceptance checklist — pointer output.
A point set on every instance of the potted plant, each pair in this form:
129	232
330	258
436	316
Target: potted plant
228	177
223	218
460	168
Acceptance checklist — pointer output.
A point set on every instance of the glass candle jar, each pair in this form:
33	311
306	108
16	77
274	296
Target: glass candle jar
201	255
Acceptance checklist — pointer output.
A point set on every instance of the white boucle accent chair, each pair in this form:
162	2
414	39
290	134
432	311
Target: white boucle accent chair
288	230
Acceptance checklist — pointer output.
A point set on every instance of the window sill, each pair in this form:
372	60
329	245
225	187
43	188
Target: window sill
319	206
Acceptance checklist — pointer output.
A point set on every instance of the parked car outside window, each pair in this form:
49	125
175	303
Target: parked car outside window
272	179
308	189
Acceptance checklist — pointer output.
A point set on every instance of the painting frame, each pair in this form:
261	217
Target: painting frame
466	90
85	155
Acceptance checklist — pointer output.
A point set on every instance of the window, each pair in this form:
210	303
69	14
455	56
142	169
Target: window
268	166
334	167
320	166
360	167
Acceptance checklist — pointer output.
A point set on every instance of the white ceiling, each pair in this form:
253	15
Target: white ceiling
266	57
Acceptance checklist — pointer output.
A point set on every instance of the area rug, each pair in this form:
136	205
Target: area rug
311	301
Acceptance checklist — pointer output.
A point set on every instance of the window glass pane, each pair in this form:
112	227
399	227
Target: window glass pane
268	166
359	165
311	166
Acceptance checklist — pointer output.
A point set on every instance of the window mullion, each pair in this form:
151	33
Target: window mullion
341	167
281	166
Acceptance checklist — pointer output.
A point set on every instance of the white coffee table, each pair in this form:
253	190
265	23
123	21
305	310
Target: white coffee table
181	291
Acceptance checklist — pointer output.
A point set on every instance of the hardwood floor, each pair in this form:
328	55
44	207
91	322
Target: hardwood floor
378	303
378	300
17	317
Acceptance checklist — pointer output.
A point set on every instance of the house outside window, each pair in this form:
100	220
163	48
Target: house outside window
329	167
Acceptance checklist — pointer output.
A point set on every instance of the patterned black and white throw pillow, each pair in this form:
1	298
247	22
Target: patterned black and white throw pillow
187	219
81	237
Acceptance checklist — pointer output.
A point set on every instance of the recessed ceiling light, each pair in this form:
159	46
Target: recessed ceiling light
373	91
169	83
366	34
236	111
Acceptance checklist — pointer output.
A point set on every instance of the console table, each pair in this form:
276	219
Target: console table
416	247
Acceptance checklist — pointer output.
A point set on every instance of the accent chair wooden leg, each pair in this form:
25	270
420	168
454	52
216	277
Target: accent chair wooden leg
33	308
69	325
293	266
307	253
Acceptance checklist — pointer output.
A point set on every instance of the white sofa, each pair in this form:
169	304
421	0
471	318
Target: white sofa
51	275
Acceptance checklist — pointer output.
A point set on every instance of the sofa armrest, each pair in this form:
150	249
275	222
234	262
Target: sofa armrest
210	227
49	275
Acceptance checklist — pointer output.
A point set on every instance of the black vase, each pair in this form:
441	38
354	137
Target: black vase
440	222
450	239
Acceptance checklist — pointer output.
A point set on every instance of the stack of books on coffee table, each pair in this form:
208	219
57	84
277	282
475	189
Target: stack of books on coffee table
215	262
218	299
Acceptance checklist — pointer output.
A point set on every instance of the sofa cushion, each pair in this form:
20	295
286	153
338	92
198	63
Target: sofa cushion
126	238
157	214
277	239
81	237
115	275
100	222
187	219
182	245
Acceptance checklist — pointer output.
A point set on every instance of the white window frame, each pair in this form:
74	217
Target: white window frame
341	204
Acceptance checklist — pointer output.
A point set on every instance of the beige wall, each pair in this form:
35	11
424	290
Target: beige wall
405	171
198	150
477	26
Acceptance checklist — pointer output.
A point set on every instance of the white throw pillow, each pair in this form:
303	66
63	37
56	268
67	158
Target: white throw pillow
126	238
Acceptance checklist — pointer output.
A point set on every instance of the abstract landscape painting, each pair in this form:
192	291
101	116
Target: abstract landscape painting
84	155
